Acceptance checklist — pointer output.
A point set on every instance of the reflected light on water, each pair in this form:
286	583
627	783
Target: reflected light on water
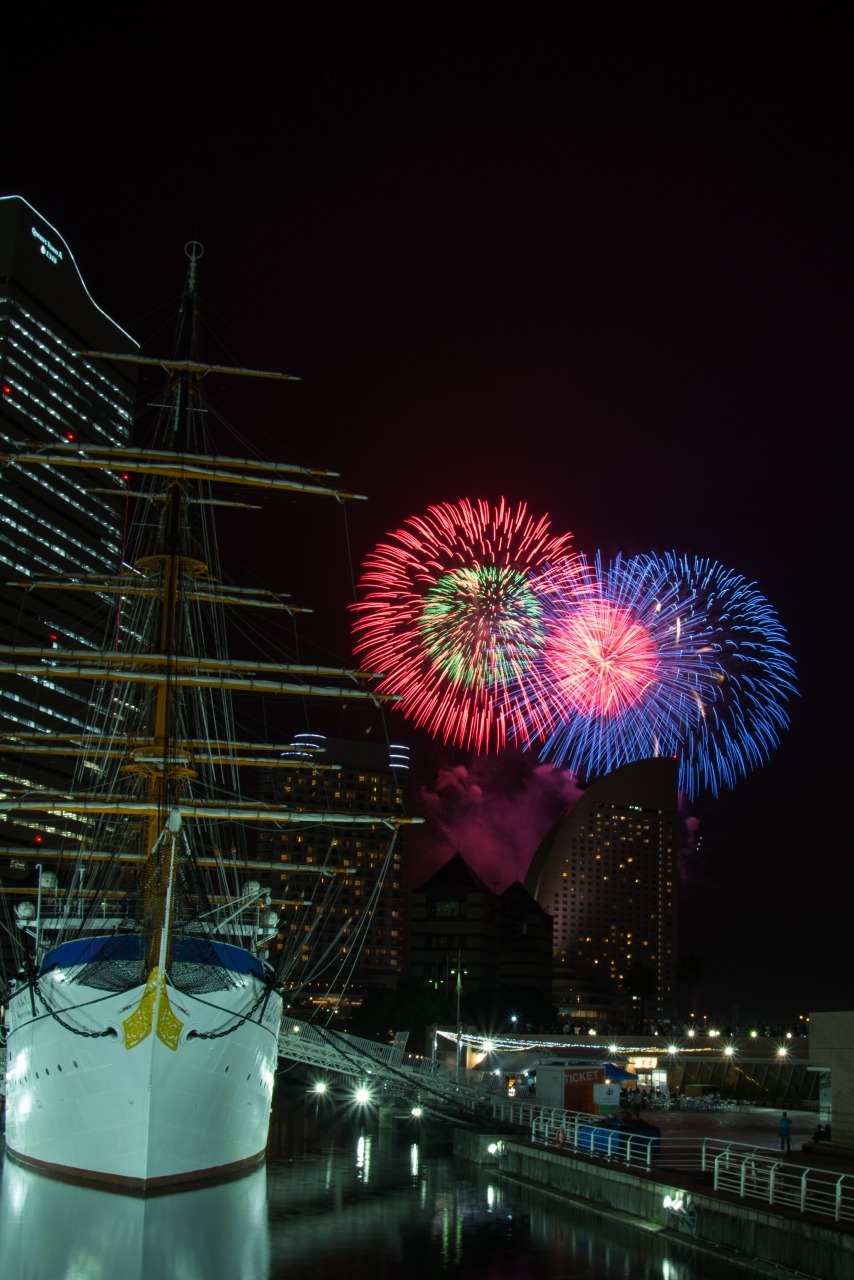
363	1158
51	1230
337	1198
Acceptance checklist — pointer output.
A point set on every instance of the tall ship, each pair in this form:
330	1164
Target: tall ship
145	993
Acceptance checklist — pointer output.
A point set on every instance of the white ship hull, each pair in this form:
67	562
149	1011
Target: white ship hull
91	1106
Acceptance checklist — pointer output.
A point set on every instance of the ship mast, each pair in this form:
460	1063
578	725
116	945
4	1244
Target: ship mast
166	770
160	753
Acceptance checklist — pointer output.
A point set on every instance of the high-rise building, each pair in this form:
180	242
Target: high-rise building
606	873
343	884
57	523
498	939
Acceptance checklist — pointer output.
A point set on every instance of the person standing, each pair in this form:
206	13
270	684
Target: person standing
785	1128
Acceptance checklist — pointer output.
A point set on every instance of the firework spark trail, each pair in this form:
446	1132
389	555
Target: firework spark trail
490	630
450	616
620	675
753	674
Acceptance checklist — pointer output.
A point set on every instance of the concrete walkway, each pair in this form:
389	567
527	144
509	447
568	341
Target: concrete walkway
756	1127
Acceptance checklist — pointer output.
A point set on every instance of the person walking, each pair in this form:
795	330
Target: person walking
785	1128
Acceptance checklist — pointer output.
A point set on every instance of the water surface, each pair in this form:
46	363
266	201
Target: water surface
341	1196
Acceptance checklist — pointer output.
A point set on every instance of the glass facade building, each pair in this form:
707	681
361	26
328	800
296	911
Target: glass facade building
58	524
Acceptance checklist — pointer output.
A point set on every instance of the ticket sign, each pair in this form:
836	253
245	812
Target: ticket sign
568	1085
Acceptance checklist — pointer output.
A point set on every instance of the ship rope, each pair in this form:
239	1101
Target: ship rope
359	934
57	1017
239	1021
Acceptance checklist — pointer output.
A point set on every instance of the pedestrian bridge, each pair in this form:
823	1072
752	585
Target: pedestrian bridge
382	1067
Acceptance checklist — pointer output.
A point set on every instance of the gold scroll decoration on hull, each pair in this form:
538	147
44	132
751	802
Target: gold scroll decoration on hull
140	1022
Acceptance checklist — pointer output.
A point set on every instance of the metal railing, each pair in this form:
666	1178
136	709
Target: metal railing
514	1112
335	1050
424	1080
586	1135
749	1172
758	1175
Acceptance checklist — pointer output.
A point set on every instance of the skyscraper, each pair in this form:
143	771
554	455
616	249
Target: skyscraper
57	522
606	872
344	883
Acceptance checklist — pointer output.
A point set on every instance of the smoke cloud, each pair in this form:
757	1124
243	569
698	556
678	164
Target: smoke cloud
494	810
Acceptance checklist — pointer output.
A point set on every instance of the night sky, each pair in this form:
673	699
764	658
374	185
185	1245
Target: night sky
583	256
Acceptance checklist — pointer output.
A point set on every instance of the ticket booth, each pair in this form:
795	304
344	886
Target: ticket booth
592	1088
569	1087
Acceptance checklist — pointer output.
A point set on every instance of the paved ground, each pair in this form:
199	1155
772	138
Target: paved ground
755	1126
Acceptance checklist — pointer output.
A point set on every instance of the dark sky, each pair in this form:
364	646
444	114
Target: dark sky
574	254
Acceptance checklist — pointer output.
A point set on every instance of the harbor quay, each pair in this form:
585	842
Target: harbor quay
715	1224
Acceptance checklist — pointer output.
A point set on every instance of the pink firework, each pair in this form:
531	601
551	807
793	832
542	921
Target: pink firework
623	671
603	660
451	616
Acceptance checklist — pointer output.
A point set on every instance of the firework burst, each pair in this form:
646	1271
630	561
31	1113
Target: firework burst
619	676
451	615
486	628
752	674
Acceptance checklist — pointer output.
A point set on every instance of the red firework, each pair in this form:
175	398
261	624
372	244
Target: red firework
450	615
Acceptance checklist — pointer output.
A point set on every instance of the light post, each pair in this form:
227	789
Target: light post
38	911
459	971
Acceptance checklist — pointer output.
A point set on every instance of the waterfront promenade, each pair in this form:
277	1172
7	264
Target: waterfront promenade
684	1131
723	1218
752	1126
755	1126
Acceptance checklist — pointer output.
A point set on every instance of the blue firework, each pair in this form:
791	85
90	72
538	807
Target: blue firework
744	705
622	673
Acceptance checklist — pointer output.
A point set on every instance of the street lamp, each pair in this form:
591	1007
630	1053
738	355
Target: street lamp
459	971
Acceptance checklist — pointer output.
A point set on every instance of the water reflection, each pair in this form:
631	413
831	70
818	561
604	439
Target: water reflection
340	1197
53	1231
